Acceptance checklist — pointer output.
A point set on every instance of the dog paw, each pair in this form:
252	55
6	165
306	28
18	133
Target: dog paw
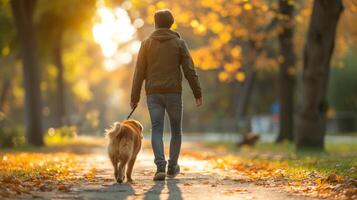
120	179
130	181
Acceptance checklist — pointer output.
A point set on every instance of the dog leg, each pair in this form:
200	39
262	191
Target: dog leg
121	177
115	166
130	169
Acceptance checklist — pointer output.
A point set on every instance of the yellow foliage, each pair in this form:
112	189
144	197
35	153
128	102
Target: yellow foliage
223	76
240	76
225	37
201	29
212	17
161	5
264	8
264	63
204	59
194	23
82	91
184	18
174	26
232	67
248	6
236	52
5	51
18	92
26	172
52	71
241	32
229	67
225	22
137	3
150	16
216	43
236	10
208	3
217	27
91	173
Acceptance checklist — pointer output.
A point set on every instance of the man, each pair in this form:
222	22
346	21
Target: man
160	60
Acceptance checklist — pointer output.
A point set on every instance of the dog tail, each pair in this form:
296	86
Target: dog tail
114	131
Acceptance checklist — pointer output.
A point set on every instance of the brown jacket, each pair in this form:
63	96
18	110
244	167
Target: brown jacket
159	63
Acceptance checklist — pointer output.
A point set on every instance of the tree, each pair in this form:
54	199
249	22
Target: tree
318	50
57	57
23	14
53	25
286	72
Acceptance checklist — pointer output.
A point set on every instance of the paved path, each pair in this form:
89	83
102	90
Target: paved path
198	180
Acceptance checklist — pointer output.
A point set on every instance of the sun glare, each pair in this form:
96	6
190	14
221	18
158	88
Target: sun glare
116	35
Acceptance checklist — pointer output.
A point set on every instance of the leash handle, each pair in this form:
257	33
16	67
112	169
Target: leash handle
132	111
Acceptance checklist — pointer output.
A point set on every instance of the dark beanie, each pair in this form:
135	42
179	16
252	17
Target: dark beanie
163	19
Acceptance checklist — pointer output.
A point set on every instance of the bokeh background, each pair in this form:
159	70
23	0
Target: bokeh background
85	51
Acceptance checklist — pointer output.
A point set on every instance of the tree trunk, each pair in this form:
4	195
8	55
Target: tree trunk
57	54
319	47
246	91
4	92
246	88
286	77
7	82
23	14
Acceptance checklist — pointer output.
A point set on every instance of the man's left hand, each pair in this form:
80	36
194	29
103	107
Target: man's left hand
133	105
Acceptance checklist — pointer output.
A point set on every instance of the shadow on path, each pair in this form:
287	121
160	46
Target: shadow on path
156	190
113	191
174	190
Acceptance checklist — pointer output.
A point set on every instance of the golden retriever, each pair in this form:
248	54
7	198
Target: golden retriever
124	145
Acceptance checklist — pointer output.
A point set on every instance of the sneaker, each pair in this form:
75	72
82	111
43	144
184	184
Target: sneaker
172	171
160	174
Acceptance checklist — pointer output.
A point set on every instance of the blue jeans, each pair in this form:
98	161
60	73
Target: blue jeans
157	105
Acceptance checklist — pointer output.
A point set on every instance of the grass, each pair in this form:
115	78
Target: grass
53	167
78	145
340	159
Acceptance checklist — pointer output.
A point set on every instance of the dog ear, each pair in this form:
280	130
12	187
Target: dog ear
114	131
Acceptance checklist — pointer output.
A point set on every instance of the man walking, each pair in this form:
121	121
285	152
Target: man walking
160	60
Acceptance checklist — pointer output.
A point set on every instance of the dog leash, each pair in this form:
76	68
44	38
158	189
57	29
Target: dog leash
131	112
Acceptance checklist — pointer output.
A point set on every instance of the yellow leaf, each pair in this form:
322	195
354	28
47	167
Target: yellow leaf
201	28
248	6
236	52
174	26
264	8
82	90
161	5
194	23
217	27
231	67
240	76
5	51
223	76
225	37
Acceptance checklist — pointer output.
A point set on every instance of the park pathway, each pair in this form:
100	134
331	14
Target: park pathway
198	180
